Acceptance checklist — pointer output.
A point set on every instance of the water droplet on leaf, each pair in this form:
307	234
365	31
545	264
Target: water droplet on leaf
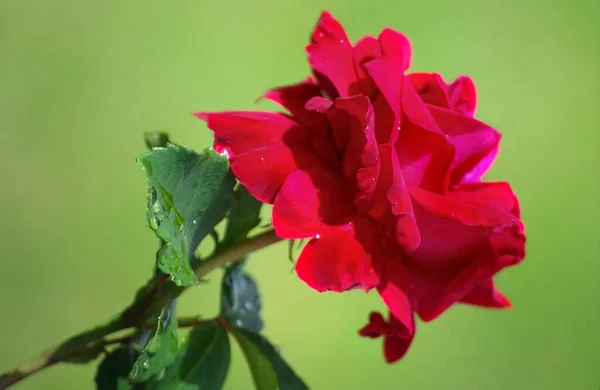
154	223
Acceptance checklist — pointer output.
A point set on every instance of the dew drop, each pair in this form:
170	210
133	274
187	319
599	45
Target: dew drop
195	221
342	40
249	305
317	236
156	208
154	223
262	160
239	323
225	153
145	365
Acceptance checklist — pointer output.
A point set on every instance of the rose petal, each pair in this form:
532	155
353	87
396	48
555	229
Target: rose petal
338	259
395	297
389	83
387	73
241	131
463	96
263	171
487	295
391	201
294	97
365	50
473	140
396	45
466	207
434	292
415	109
300	100
425	158
445	242
263	148
407	230
351	121
376	327
497	194
330	55
431	88
396	346
320	105
307	201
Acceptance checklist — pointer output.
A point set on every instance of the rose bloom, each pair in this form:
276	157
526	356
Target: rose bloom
382	171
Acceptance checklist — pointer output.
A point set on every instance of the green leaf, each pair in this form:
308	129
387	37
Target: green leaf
112	371
240	299
269	370
189	194
243	217
161	350
202	363
156	139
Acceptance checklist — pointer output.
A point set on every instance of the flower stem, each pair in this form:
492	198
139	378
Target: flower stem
158	293
68	349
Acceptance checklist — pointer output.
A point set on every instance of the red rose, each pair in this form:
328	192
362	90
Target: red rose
382	171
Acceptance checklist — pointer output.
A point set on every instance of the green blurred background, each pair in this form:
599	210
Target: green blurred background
80	81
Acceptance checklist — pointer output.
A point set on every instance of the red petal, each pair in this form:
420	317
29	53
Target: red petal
351	122
307	201
407	230
396	45
486	295
376	327
319	104
387	72
241	131
330	55
338	259
263	148
475	167
393	294
294	97
473	140
365	50
497	194
425	158
396	345
389	83
416	111
386	123
445	242
394	348
463	96
431	88
434	292
391	197
467	207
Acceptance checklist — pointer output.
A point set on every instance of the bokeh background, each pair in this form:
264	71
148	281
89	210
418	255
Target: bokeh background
80	82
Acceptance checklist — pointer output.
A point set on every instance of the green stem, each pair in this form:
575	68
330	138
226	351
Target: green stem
138	313
72	346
